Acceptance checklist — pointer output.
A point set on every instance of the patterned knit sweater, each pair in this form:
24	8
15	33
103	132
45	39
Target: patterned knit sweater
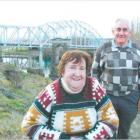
56	114
118	68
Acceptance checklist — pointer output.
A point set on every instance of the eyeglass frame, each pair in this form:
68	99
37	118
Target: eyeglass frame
125	29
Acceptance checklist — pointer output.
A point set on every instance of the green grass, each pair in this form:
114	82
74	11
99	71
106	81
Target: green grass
14	102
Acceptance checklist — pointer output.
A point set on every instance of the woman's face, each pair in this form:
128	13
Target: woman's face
75	75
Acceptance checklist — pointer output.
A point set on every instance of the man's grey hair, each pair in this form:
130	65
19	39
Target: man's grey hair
127	22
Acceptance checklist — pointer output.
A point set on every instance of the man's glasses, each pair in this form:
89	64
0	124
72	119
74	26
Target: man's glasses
122	29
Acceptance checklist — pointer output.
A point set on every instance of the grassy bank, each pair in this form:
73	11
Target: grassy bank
14	102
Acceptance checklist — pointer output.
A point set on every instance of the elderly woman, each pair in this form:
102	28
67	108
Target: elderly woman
74	106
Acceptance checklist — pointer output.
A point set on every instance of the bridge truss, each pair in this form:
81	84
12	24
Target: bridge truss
78	33
75	34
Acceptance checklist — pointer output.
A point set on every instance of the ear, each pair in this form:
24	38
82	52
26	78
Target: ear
113	30
62	74
129	33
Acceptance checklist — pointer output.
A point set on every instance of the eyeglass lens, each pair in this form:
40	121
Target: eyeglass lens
123	29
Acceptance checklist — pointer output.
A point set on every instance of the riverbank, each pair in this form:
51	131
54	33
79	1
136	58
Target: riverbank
17	91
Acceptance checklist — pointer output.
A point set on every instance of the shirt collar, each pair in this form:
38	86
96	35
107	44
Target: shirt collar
129	44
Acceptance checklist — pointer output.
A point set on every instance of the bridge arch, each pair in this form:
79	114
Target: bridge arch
73	33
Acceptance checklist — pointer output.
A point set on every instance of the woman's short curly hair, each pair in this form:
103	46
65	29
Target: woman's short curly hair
76	55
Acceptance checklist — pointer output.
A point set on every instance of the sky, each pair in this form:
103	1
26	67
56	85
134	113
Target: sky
100	14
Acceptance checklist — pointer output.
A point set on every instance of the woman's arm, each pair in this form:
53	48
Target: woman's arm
107	119
36	123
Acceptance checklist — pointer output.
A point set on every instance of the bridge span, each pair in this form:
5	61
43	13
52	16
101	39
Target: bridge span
58	36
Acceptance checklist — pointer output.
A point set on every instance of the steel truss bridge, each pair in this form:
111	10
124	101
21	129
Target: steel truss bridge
75	34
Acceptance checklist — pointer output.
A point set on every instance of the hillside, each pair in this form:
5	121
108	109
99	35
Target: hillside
17	91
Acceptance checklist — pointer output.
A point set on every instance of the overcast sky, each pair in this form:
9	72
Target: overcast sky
100	14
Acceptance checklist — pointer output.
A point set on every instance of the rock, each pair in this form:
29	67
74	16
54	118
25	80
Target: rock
14	76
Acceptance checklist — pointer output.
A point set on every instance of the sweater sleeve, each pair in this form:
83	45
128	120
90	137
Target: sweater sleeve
36	123
107	119
139	77
96	69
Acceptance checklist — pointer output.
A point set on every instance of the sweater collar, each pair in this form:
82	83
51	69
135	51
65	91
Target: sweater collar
66	88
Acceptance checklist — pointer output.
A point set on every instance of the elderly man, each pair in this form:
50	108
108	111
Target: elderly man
117	66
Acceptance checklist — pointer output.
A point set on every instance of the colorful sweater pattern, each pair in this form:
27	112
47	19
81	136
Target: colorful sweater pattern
55	114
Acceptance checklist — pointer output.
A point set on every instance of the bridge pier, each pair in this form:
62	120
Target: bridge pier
41	62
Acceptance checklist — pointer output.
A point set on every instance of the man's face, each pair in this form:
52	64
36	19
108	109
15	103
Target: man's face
121	33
